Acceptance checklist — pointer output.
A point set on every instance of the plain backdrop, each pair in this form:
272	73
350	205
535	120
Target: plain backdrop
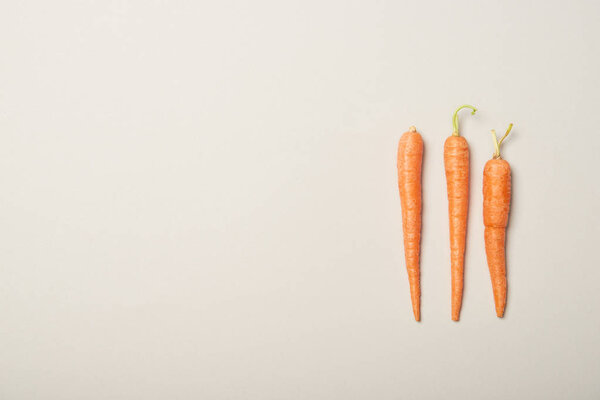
198	200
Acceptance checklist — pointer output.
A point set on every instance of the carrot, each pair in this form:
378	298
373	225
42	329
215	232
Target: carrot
496	205
456	163
410	157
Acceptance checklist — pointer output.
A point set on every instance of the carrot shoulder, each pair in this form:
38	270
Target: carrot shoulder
496	206
410	156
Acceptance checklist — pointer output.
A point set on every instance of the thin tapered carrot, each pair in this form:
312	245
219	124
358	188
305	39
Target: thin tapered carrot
456	163
496	206
410	157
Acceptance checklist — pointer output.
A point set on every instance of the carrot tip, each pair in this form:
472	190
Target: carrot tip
417	314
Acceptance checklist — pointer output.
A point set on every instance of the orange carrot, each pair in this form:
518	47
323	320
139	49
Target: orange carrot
496	205
456	163
410	157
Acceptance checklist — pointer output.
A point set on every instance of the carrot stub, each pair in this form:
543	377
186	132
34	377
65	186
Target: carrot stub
456	163
410	157
496	206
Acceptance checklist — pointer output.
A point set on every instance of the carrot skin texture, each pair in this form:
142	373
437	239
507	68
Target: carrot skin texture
410	157
496	206
456	163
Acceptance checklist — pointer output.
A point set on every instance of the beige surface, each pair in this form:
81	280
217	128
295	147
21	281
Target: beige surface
199	199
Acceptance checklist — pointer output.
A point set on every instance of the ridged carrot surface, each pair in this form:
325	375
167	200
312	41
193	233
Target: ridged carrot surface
496	206
410	157
456	164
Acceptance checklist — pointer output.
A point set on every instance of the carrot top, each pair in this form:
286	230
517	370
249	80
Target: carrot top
497	143
455	118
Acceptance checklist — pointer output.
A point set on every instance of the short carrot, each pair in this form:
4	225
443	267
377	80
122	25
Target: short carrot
496	205
410	157
456	163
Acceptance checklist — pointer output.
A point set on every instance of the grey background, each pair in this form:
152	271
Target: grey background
199	200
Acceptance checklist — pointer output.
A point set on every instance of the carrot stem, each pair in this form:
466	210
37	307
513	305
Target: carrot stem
497	143
455	117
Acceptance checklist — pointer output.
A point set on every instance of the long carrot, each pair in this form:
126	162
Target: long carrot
410	158
496	205
456	163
